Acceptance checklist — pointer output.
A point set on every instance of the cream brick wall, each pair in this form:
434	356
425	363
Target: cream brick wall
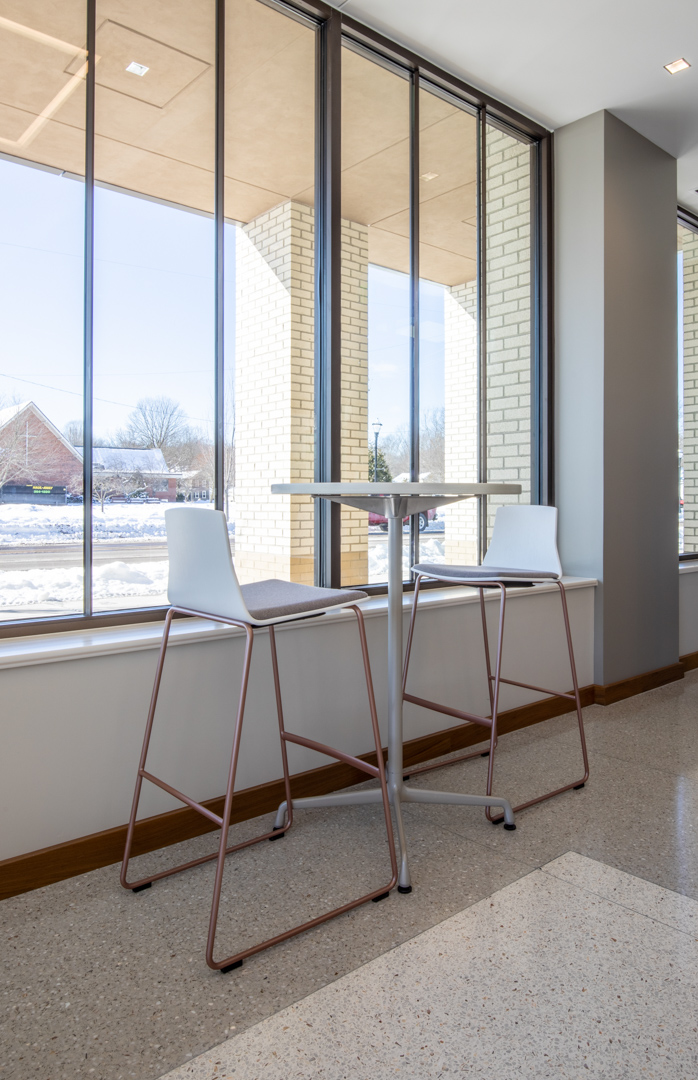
690	388
460	416
508	240
354	395
274	399
508	350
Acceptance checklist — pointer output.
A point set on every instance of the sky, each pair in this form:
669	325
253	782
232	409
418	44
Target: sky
154	309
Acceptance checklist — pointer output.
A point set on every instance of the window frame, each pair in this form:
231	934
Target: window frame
688	220
333	29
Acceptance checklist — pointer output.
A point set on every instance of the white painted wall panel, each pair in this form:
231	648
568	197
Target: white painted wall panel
71	731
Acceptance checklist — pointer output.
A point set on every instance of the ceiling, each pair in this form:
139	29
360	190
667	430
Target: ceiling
154	133
559	61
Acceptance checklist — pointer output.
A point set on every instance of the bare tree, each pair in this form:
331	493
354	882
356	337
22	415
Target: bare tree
205	462
155	423
396	451
73	432
396	447
432	445
12	451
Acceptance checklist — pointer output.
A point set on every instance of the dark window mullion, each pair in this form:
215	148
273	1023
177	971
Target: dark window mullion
543	404
414	304
328	269
88	307
482	328
219	264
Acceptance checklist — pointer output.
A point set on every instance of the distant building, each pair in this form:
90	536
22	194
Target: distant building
38	464
131	469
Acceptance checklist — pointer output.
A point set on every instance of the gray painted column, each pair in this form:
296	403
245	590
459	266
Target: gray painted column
616	387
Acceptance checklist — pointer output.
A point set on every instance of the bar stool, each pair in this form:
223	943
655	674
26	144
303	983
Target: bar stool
203	583
523	536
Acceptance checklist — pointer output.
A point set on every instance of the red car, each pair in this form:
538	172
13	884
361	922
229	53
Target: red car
424	518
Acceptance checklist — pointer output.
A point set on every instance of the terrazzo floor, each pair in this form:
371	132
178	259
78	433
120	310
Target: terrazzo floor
98	983
576	970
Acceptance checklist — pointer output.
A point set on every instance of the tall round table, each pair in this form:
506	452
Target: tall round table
395	502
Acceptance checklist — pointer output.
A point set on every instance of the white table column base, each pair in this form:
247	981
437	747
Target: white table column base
397	790
396	501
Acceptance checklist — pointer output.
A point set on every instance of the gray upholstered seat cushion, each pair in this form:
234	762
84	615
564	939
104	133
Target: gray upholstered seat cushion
275	599
482	573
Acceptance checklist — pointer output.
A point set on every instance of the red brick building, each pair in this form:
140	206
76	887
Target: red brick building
34	453
37	463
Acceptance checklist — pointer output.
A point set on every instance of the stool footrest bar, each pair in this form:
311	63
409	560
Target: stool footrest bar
473	718
330	751
182	797
538	689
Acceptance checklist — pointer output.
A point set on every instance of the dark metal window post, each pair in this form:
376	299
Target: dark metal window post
414	304
88	307
376	431
328	297
219	264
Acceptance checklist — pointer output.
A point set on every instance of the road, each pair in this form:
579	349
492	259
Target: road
60	555
55	556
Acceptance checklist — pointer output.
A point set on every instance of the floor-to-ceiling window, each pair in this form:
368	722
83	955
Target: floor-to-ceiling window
185	216
687	291
42	200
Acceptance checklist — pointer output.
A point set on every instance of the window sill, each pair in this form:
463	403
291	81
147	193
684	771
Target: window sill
105	641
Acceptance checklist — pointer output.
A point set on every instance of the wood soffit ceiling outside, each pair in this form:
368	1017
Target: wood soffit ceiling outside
154	134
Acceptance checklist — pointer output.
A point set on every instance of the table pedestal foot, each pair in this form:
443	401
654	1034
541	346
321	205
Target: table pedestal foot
455	798
341	798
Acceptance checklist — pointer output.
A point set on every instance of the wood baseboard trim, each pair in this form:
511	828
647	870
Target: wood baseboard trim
638	684
49	865
689	661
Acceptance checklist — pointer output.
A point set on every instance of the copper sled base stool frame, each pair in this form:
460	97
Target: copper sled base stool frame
494	682
236	959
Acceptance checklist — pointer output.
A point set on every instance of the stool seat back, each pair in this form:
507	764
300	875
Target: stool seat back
525	536
202	576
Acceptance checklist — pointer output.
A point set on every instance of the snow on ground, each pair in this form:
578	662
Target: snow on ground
26	588
429	551
26	523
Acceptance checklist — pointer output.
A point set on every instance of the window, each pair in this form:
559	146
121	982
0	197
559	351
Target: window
687	281
210	283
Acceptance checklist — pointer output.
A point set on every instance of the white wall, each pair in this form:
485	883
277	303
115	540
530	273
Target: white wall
71	730
688	608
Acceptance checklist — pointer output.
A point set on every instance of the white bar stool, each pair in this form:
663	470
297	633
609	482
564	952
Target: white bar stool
203	583
523	536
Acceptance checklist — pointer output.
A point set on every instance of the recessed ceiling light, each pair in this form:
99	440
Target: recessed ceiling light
140	69
677	65
429	176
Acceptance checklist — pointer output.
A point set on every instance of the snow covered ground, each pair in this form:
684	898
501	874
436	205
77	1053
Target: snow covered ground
26	523
431	550
120	583
63	586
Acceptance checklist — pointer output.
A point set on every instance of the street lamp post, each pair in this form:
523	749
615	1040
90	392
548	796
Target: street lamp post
376	430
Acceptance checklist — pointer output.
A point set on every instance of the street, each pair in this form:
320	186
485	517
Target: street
58	556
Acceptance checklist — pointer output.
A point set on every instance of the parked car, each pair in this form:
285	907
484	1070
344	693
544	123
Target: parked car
424	518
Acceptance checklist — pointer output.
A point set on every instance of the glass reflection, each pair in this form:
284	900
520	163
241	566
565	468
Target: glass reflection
376	343
42	145
154	288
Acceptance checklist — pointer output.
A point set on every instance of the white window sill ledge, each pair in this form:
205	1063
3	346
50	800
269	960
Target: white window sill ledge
690	567
83	644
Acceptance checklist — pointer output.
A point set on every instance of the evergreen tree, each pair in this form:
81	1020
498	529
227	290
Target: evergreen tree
384	474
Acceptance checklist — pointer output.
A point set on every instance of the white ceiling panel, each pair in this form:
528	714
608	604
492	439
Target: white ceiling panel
557	61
